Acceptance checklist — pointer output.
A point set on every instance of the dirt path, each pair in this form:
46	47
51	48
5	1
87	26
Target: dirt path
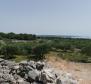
81	71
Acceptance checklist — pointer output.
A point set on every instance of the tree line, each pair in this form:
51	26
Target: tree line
21	36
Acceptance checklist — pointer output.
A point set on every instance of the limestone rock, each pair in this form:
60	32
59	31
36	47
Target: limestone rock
31	72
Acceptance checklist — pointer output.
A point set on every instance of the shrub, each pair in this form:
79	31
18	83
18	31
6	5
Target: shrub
39	51
8	51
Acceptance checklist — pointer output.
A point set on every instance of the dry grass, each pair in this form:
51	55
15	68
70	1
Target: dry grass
81	71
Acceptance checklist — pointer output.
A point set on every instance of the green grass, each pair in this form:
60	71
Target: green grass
74	56
19	58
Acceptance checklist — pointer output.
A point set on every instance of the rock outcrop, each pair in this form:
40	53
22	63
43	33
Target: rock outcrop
32	73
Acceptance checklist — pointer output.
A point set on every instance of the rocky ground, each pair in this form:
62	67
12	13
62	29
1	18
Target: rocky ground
81	71
30	72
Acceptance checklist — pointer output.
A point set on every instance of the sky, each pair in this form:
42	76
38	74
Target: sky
46	17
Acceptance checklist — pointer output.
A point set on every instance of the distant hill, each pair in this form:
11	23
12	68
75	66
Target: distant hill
63	36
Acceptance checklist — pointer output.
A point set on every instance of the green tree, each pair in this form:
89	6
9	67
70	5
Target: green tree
11	35
86	50
40	51
8	51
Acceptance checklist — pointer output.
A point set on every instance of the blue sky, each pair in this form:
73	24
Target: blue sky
56	17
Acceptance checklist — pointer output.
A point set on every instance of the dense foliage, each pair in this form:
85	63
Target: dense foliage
20	36
78	50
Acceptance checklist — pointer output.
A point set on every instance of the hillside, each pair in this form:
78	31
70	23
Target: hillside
81	71
71	55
